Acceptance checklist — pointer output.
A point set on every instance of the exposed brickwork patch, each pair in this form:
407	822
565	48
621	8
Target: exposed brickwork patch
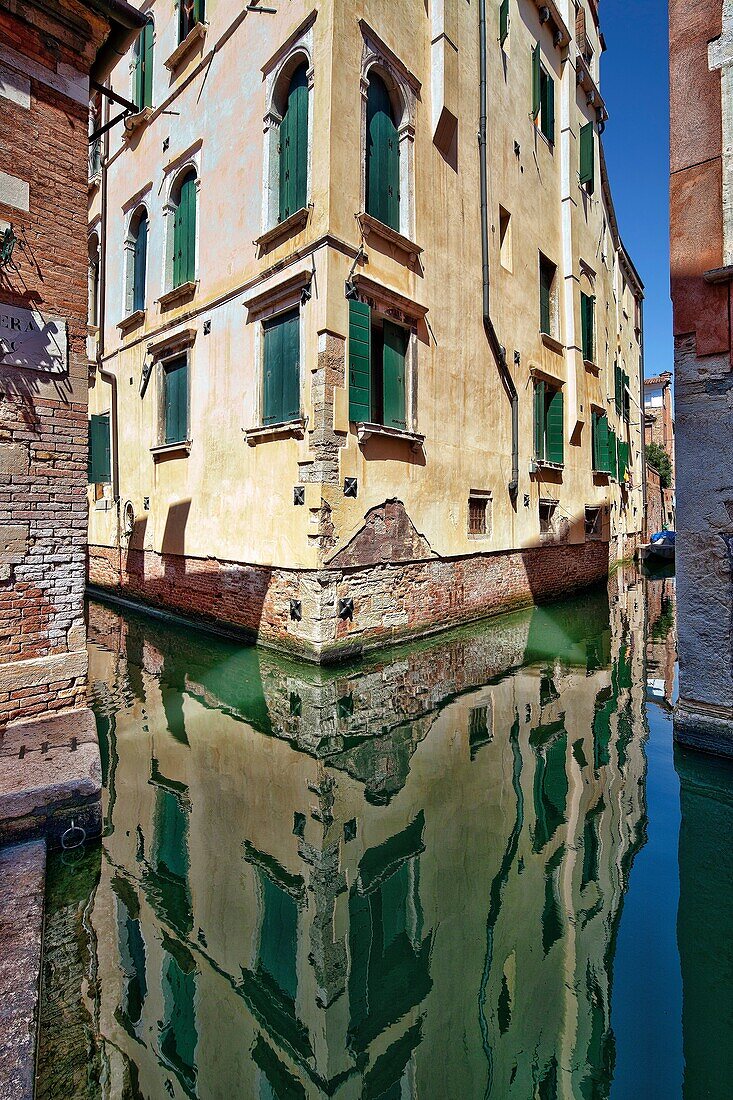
388	535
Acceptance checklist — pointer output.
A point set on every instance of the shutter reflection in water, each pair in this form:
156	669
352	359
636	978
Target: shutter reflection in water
444	920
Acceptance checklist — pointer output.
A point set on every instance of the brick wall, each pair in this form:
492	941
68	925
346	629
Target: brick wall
654	501
43	418
391	601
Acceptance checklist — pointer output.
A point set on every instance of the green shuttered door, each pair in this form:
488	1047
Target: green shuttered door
555	424
281	397
383	157
294	147
587	321
360	370
184	233
587	156
176	400
601	444
395	346
98	460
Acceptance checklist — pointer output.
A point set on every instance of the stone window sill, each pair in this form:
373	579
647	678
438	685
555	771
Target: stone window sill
400	245
135	122
293	429
171	450
195	35
280	232
553	344
177	295
366	431
131	321
543	464
590	366
102	505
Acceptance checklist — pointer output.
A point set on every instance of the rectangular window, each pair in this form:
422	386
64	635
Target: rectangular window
549	420
547	515
543	96
281	390
98	461
626	392
548	297
479	514
623	460
175	399
505	238
191	12
377	368
587	325
587	157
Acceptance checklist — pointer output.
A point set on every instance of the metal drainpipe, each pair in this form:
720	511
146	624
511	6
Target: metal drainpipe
497	349
101	318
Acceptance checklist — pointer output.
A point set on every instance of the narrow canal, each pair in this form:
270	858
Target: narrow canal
470	868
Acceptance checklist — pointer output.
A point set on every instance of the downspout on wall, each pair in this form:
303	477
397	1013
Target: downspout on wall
497	349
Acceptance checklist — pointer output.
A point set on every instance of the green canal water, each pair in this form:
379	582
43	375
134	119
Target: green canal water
474	867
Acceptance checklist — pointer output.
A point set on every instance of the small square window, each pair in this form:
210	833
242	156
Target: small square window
548	509
593	523
479	515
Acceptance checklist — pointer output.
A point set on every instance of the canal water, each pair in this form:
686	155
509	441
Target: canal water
474	867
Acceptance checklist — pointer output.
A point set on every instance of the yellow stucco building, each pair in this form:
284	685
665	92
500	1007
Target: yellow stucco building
355	373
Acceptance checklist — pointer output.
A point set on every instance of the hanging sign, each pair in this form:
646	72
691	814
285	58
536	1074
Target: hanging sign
33	341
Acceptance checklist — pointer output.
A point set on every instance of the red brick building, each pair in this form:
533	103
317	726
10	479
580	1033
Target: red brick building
659	412
48	54
701	69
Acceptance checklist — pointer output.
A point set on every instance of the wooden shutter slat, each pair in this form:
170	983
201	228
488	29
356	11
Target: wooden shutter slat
360	366
393	375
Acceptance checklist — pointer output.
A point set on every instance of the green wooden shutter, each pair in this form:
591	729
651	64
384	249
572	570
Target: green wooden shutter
98	459
383	157
272	412
555	428
539	421
360	362
294	146
612	453
601	455
176	400
139	265
147	60
587	156
595	440
503	21
536	74
587	318
623	460
290	324
393	375
625	386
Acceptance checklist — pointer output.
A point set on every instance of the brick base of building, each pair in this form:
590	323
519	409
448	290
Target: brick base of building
331	615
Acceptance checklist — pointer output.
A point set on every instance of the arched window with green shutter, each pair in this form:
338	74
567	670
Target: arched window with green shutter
294	146
139	234
382	156
184	231
143	67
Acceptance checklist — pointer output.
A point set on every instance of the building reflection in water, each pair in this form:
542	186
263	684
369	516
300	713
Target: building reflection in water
393	881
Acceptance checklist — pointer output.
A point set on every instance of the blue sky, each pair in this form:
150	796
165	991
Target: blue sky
635	85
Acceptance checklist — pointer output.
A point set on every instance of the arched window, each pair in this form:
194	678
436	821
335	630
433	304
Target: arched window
184	230
93	279
382	156
294	146
143	67
138	260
